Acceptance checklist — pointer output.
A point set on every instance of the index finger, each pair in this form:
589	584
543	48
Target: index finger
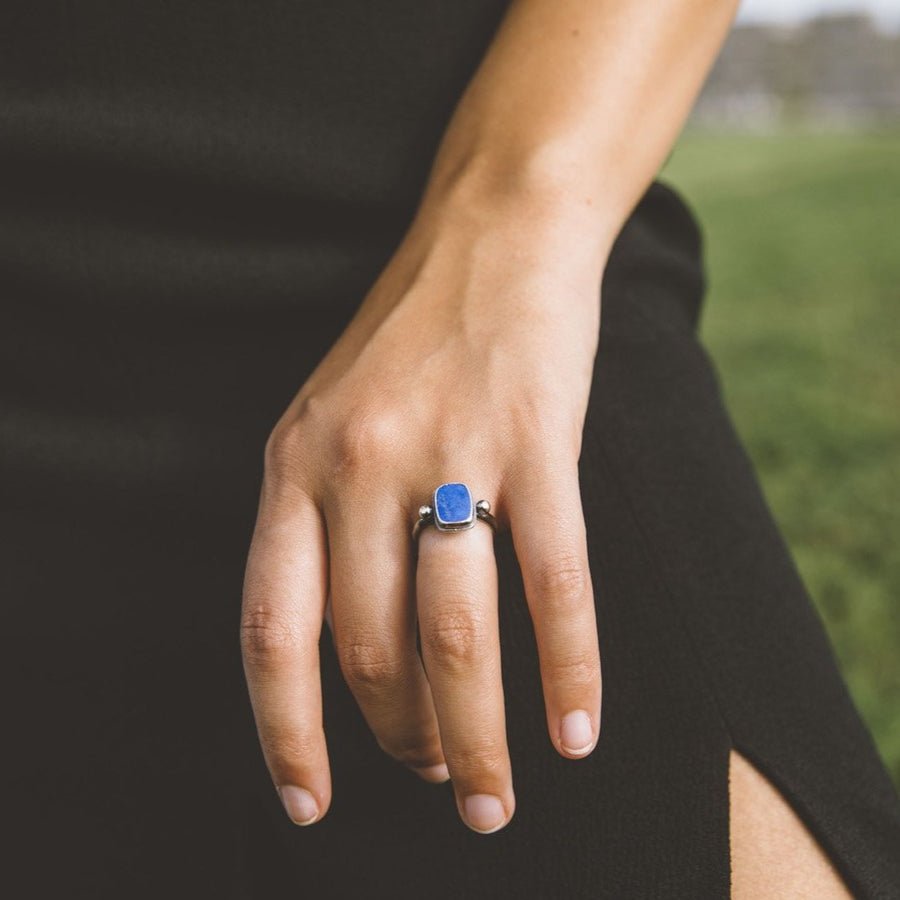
285	588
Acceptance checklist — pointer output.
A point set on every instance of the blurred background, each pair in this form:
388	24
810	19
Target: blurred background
791	161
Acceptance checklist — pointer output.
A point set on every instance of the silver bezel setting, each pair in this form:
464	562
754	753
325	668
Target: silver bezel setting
461	525
481	510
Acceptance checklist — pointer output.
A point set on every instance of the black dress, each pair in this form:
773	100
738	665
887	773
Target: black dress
195	197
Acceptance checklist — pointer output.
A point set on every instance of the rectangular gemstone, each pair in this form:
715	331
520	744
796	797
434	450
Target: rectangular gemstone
453	506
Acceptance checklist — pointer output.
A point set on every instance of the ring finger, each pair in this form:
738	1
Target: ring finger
456	588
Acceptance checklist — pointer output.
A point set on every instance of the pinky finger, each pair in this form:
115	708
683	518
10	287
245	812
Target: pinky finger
553	557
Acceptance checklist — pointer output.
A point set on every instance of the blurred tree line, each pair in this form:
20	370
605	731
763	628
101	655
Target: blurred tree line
832	70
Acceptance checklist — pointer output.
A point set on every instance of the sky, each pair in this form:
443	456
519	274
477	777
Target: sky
886	12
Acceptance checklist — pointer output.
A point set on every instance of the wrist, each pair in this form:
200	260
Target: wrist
538	194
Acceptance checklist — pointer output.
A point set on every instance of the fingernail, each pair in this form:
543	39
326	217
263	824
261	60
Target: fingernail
576	733
434	774
484	812
300	805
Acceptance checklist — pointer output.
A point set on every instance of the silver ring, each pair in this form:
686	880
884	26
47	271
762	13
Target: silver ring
452	509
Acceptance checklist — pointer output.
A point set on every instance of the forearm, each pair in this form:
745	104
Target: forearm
576	105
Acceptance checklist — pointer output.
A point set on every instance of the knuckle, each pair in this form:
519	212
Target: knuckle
283	452
287	447
289	750
455	635
369	666
542	415
365	440
487	760
561	578
267	636
577	672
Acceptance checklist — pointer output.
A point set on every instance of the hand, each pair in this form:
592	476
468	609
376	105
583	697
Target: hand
470	359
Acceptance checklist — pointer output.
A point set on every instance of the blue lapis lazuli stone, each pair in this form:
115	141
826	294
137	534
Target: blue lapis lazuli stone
453	505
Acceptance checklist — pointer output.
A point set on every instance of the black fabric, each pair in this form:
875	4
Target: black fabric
195	198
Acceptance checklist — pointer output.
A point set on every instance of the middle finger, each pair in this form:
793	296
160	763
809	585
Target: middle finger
374	627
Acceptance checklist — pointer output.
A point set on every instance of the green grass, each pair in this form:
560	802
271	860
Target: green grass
802	242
